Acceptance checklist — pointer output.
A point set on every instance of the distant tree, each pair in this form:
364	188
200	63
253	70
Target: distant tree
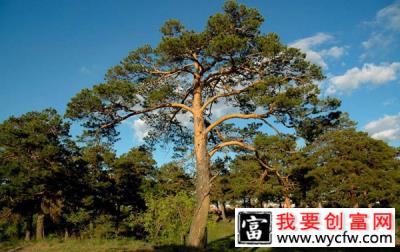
171	179
348	168
253	178
128	175
99	160
34	163
221	190
277	155
188	73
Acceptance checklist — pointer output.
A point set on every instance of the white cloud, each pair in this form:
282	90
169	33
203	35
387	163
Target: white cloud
140	128
369	73
308	45
335	52
85	70
385	27
222	108
185	119
377	39
389	16
386	128
309	42
389	102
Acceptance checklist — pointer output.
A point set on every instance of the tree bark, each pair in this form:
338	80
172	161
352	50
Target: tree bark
223	210
197	231
40	227
117	217
66	234
27	235
288	203
28	227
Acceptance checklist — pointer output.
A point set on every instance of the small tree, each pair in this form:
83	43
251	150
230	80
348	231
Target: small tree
169	204
188	74
128	177
171	179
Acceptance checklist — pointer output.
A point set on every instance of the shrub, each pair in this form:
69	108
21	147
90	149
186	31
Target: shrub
167	218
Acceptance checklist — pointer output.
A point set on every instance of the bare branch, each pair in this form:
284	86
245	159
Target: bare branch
171	72
232	116
231	143
271	126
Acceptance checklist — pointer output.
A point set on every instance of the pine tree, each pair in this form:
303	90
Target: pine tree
34	161
188	74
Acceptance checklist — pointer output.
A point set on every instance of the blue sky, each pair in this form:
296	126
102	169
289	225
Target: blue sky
51	49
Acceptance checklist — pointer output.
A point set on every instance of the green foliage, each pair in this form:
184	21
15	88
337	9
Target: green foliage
349	168
10	225
171	179
167	219
172	27
230	53
103	227
89	191
35	162
80	219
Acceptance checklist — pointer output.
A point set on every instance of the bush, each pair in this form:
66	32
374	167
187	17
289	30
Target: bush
167	218
103	227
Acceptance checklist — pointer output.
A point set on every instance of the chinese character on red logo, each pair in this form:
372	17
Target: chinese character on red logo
285	221
334	221
382	220
358	221
309	220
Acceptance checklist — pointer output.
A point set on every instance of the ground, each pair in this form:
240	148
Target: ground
220	238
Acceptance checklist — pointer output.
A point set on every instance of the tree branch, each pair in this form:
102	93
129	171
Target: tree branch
231	143
232	116
166	105
234	92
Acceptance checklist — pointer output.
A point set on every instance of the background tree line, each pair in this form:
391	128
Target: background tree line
54	186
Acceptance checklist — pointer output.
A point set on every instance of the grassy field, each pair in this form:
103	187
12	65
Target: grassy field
92	245
220	238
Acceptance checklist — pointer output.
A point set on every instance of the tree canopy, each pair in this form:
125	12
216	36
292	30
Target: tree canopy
190	73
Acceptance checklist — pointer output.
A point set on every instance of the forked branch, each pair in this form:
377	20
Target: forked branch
233	116
231	143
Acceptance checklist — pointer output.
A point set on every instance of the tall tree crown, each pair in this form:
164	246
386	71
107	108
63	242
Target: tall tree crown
230	62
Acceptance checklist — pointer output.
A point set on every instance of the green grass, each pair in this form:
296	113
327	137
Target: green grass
220	230
91	245
220	238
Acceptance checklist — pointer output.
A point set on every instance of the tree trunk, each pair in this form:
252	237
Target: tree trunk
40	227
223	210
27	235
28	227
288	203
117	217
197	231
66	234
